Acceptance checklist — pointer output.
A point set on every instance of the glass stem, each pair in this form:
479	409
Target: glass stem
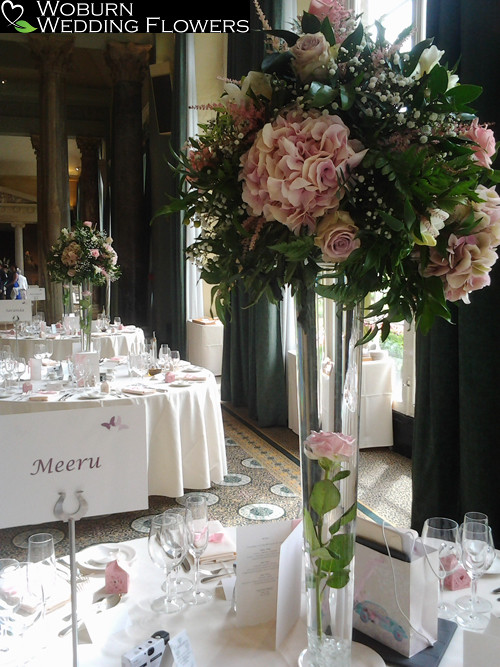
473	593
168	594
197	574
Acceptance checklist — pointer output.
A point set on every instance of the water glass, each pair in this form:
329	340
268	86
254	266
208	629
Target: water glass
166	548
42	564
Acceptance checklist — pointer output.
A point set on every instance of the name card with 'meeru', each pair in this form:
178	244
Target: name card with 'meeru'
100	451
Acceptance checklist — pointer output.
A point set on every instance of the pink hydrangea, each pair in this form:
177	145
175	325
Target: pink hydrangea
329	445
297	168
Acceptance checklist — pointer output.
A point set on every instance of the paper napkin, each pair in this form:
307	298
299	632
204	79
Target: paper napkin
220	546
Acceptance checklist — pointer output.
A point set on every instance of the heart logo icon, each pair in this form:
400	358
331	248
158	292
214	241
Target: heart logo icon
8	8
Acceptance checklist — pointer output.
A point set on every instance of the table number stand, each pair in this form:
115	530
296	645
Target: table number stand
71	518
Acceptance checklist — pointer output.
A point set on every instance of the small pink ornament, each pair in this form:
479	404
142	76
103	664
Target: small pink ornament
457	580
169	376
117	579
27	387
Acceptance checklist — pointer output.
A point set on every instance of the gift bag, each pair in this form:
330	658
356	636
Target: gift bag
396	589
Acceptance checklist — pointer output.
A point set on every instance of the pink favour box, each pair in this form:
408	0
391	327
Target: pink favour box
116	578
456	580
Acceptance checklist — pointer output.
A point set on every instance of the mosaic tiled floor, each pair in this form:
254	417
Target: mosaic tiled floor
261	485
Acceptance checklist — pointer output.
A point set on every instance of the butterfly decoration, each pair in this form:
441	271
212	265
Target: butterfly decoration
114	421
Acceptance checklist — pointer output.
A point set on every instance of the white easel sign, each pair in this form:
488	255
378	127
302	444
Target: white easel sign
100	451
35	293
15	310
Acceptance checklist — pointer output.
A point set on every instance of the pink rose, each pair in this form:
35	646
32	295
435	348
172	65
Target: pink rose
336	13
311	57
94	252
329	445
485	140
297	168
336	236
87	223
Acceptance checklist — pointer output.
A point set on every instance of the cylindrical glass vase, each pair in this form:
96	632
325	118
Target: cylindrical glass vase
67	298
86	315
329	382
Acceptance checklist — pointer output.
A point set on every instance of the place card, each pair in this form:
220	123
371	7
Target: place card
181	650
269	569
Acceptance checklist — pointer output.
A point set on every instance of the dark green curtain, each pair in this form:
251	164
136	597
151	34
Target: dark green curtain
456	448
253	371
167	264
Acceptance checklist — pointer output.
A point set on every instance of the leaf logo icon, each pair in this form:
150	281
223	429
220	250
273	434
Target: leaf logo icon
12	14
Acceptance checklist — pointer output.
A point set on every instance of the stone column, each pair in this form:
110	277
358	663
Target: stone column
53	54
130	226
18	244
88	198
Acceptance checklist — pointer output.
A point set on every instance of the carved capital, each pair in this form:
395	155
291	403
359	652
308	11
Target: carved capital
127	61
88	146
53	53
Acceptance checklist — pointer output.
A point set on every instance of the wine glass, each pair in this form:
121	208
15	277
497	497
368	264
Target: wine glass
49	348
442	534
42	565
197	536
175	357
478	553
117	321
464	603
167	547
10	601
39	351
182	584
164	355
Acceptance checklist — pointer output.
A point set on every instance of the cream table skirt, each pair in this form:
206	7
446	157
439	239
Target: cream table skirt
185	433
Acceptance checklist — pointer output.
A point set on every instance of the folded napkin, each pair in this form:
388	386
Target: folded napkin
220	546
140	391
194	377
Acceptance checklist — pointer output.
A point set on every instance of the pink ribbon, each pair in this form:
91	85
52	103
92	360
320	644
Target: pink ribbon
216	537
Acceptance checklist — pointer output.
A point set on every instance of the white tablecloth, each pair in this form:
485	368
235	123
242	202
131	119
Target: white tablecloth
185	433
110	344
214	636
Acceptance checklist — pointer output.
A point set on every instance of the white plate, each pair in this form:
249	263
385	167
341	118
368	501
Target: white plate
98	556
179	383
90	396
192	369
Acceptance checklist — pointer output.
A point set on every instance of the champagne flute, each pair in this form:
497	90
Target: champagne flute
39	351
42	565
167	547
464	603
197	535
478	553
10	601
442	534
182	584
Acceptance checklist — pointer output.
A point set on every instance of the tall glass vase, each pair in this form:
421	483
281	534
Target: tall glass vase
67	298
329	381
86	315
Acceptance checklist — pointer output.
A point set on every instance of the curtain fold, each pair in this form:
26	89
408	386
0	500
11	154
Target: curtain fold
456	453
253	370
252	364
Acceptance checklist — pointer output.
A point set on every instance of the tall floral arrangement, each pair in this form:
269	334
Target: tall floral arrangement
348	151
81	254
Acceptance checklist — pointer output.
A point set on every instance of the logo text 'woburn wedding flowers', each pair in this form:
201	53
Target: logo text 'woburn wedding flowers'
56	16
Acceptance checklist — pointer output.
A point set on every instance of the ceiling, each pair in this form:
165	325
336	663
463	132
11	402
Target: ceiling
88	84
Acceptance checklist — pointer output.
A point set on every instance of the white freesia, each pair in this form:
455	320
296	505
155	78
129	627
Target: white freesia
259	83
453	80
431	226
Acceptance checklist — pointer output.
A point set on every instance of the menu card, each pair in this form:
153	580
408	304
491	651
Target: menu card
269	569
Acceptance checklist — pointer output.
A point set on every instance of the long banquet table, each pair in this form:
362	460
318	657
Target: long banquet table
215	638
185	433
129	340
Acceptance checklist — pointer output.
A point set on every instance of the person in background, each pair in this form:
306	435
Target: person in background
23	284
4	278
13	283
